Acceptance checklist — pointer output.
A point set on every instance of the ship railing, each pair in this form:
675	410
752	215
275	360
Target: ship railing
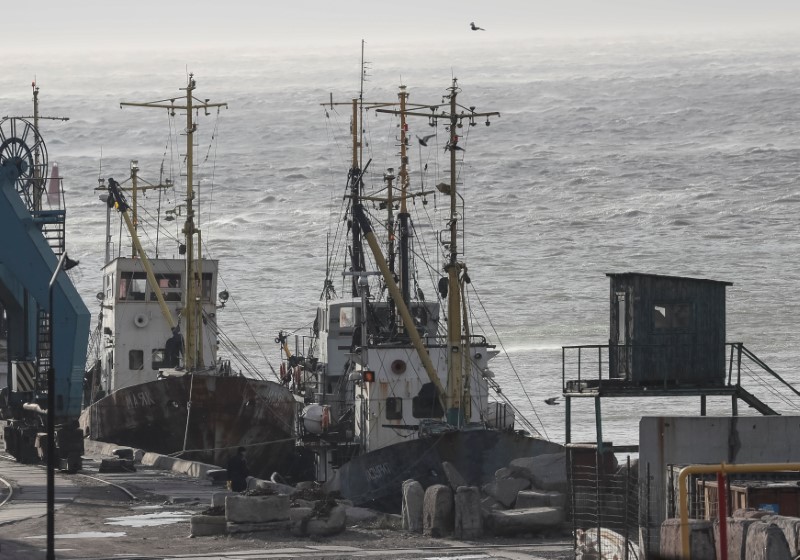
612	367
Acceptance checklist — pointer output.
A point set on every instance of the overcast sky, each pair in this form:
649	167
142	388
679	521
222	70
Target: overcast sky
106	24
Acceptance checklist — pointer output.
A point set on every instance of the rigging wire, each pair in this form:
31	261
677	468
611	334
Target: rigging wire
513	368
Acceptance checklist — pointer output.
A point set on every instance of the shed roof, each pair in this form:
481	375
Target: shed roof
665	276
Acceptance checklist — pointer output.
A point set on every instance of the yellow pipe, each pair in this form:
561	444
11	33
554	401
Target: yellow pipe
713	469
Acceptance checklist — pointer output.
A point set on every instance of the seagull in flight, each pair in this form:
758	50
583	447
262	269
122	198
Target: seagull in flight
424	140
552	400
475	27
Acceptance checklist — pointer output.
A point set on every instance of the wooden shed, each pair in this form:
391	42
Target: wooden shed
667	330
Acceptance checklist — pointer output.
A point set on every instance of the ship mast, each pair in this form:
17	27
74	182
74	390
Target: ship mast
457	399
193	354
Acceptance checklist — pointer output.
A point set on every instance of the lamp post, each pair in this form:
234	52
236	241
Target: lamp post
51	419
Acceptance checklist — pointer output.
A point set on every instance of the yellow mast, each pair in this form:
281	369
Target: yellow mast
193	354
457	399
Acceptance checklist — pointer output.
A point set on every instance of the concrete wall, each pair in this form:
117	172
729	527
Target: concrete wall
692	440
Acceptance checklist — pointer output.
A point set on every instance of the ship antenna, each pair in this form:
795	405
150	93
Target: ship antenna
361	107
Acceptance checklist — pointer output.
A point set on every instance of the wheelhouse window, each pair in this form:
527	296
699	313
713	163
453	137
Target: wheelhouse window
349	318
672	317
132	286
208	286
136	359
170	285
109	287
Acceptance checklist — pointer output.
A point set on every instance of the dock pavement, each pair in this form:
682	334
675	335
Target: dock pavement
145	515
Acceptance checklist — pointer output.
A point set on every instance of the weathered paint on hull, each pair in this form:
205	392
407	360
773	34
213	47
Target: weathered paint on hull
375	479
225	413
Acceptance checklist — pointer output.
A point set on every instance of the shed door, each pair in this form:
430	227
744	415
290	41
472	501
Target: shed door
620	352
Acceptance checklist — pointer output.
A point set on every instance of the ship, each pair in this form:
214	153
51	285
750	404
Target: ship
155	378
395	383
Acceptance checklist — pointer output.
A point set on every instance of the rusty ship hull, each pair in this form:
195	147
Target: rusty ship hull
203	418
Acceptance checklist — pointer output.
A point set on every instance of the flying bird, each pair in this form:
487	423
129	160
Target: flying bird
475	27
552	400
424	140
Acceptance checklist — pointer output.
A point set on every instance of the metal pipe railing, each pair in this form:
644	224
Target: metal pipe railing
722	468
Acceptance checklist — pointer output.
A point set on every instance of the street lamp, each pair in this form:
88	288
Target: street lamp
64	263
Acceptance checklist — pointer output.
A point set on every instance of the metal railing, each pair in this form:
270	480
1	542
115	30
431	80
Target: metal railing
596	363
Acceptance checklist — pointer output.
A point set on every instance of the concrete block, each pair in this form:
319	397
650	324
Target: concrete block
413	498
218	498
274	527
558	499
701	540
791	530
360	515
333	524
123	453
298	519
750	513
523	521
468	522
207	525
547	471
766	542
454	477
256	509
505	490
299	513
218	477
505	472
532	499
737	537
277	487
437	511
490	504
116	465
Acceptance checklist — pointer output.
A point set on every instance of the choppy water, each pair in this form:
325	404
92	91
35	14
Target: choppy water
671	157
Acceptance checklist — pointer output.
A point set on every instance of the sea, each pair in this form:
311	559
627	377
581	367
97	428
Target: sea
669	155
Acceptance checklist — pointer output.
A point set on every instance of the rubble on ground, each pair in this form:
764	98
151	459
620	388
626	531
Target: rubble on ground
526	498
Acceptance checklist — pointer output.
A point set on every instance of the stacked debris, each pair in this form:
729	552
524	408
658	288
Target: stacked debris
527	497
268	506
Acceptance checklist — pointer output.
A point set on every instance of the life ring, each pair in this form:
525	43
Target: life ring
141	320
325	421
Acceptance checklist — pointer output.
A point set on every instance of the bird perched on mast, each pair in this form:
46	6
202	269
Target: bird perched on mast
475	27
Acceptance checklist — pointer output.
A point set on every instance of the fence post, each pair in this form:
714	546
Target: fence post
722	515
647	512
626	504
597	498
